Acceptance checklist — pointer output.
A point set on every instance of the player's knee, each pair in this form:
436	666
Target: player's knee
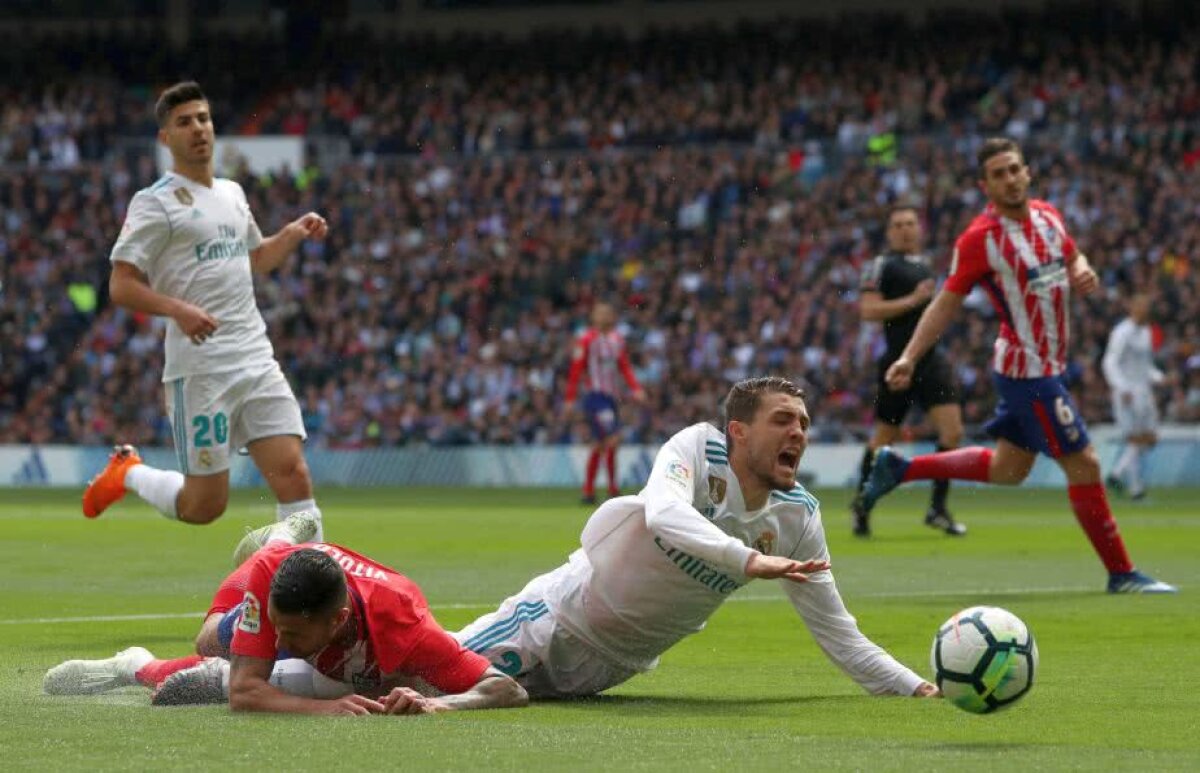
1009	474
201	511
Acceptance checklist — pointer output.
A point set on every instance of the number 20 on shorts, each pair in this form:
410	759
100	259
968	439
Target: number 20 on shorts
203	426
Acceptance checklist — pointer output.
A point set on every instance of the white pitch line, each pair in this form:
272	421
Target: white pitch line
460	605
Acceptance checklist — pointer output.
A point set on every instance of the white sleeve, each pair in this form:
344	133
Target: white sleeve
145	234
836	631
254	237
1111	364
669	512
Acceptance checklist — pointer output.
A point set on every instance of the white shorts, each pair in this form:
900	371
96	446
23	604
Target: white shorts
213	413
524	639
1137	418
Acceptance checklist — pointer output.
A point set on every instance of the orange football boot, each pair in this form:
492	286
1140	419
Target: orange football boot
108	487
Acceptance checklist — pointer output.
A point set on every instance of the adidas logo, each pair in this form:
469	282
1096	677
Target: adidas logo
33	471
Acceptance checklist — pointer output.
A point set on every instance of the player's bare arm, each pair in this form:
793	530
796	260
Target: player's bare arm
1082	276
275	249
494	690
874	308
129	287
251	690
933	323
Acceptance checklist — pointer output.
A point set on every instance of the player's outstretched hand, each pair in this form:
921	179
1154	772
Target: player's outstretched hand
775	568
196	323
1084	280
927	690
405	700
354	706
899	375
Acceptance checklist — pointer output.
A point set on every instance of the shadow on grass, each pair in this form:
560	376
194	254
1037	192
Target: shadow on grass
656	704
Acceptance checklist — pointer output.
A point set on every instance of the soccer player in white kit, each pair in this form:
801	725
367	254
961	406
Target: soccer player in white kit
1129	369
720	509
187	251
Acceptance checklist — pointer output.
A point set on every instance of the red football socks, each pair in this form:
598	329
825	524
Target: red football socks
593	465
154	672
962	464
610	459
1090	504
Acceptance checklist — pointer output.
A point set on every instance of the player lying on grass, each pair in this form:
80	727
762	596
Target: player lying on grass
720	509
365	628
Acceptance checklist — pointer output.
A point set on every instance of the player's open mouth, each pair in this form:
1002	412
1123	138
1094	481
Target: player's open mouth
789	457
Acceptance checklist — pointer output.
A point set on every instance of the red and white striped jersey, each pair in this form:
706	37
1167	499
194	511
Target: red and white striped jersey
598	358
1023	267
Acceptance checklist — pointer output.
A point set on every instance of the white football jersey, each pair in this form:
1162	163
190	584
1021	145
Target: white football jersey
193	243
654	567
1128	362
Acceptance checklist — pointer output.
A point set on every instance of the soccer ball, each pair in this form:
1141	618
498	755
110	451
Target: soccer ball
984	659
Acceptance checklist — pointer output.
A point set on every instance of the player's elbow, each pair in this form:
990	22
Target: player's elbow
869	312
119	289
507	694
245	694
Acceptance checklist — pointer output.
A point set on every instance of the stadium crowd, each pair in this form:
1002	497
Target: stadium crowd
724	189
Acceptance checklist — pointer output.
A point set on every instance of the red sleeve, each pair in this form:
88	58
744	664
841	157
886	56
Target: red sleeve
440	660
969	263
578	365
254	635
627	370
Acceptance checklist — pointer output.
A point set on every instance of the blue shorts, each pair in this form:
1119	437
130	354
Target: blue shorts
601	412
1038	414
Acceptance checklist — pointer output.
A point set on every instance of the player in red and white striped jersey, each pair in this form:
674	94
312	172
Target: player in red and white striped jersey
600	361
1019	251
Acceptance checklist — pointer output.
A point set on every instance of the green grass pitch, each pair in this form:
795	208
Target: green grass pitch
1118	686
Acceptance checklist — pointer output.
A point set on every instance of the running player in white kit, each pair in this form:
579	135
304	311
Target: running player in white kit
1131	375
719	510
187	251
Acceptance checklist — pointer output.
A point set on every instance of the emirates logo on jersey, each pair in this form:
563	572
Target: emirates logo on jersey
184	196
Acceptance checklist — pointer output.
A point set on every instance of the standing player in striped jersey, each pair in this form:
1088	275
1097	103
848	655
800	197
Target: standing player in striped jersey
1129	369
187	252
1022	255
599	356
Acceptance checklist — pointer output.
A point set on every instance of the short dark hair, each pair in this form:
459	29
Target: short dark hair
994	146
896	209
745	397
308	583
188	91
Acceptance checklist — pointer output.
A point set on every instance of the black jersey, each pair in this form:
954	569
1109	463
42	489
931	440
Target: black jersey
896	275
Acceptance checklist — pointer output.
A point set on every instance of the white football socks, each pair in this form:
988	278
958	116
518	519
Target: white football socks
283	510
1128	456
1135	470
159	488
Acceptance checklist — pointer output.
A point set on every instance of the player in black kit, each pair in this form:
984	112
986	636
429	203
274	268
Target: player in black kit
896	287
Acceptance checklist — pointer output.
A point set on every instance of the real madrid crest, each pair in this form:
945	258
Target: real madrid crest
765	542
716	489
184	196
205	458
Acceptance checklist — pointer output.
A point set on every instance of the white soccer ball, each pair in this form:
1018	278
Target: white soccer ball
984	659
